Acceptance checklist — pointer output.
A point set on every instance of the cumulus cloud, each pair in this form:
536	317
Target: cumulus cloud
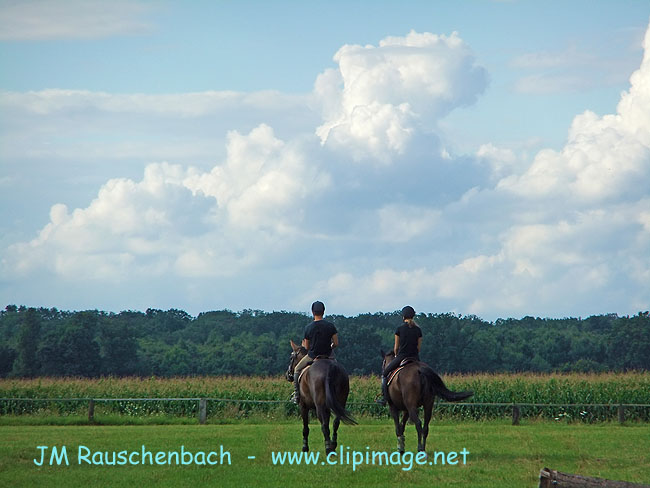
381	96
262	182
285	216
178	220
30	20
605	158
569	233
127	224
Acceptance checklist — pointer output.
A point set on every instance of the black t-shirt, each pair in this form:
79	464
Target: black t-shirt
319	333
408	339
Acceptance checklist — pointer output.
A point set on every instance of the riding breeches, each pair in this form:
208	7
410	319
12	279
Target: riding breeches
301	365
394	364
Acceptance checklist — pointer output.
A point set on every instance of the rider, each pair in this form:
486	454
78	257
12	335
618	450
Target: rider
408	340
320	338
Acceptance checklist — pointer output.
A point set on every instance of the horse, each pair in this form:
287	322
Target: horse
416	385
324	387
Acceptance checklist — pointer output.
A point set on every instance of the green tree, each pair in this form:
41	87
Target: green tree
118	347
7	358
25	364
79	351
630	342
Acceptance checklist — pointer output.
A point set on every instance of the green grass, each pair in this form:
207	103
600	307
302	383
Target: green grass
500	454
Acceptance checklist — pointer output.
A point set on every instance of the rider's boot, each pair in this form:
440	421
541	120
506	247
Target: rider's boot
384	391
295	398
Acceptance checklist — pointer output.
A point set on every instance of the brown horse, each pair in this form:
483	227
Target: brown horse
416	385
324	387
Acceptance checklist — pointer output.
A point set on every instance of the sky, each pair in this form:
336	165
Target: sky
476	157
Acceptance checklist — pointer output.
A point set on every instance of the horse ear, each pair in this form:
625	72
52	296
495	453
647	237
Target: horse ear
383	354
293	344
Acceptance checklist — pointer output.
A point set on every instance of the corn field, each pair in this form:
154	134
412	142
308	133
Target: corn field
560	397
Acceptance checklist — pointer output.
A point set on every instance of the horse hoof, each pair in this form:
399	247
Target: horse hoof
305	448
401	451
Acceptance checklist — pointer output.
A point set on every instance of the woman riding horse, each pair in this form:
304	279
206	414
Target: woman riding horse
416	385
408	340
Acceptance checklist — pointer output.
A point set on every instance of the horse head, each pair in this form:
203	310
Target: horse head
387	357
297	353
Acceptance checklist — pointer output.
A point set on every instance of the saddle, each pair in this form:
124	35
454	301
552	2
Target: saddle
317	358
396	371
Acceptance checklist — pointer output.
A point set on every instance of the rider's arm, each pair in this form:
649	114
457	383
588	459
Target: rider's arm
335	341
396	346
419	343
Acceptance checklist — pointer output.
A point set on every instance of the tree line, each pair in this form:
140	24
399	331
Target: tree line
49	342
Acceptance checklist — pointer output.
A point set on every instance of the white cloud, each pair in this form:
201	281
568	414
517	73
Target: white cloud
568	234
605	158
86	129
575	68
282	219
380	96
179	220
401	223
126	224
178	105
261	182
569	57
550	83
384	289
29	20
502	161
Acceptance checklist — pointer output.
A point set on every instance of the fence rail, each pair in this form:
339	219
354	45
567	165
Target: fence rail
199	406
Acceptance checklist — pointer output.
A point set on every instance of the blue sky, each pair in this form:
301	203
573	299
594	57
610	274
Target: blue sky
479	157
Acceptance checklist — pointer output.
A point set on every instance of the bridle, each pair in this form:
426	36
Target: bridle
384	361
294	358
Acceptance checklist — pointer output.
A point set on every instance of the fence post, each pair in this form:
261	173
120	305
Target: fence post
91	410
621	414
515	414
203	410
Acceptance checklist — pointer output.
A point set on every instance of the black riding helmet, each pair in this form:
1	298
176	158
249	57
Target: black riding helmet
408	312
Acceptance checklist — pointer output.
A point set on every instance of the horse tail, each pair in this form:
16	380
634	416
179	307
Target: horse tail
437	386
331	400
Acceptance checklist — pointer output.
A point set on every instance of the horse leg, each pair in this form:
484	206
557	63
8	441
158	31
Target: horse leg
402	426
304	412
427	407
324	417
335	425
413	415
399	432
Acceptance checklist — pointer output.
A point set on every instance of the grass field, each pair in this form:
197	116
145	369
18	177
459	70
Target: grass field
499	454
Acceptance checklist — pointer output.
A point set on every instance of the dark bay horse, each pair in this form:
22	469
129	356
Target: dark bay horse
324	387
416	386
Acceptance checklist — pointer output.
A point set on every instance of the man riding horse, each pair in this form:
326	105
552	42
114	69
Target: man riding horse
324	385
319	339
